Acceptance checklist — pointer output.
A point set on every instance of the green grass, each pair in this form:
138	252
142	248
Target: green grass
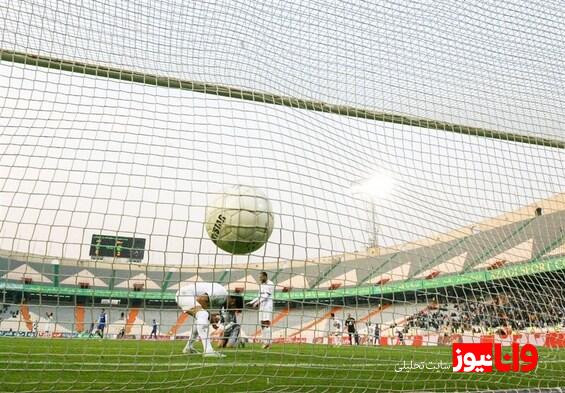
58	365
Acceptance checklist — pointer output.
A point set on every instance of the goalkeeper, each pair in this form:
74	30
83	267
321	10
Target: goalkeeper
232	328
197	300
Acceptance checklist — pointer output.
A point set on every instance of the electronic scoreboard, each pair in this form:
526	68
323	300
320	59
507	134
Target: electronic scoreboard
131	248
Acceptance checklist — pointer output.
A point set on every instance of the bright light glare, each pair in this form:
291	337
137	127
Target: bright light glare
379	185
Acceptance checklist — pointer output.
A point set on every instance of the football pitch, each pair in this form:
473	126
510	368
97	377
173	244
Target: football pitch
59	365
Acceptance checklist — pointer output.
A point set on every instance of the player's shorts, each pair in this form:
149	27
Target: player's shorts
187	301
266	311
101	326
265	315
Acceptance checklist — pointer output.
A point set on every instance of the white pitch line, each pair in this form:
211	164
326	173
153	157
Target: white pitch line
200	364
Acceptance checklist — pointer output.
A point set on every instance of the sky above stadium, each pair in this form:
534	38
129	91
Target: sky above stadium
81	155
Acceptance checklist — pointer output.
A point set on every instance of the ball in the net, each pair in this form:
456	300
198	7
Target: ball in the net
240	220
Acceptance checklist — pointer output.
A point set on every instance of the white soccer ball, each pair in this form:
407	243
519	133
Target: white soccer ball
240	221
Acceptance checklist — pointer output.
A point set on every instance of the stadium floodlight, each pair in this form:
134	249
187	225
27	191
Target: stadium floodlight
378	186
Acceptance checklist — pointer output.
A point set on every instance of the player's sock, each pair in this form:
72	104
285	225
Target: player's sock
267	335
203	325
193	337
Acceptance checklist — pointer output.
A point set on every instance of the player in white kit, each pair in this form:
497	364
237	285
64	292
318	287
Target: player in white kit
265	303
196	299
335	329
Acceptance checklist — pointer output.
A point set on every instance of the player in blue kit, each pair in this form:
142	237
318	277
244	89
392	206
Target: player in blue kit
101	324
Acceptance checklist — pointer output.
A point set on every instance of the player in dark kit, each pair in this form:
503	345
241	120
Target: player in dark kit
400	335
351	330
154	330
232	329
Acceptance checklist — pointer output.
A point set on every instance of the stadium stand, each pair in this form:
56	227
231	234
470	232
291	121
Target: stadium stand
66	297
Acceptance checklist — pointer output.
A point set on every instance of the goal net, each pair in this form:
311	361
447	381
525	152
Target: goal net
412	153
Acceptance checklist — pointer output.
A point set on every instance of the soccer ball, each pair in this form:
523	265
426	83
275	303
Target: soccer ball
240	221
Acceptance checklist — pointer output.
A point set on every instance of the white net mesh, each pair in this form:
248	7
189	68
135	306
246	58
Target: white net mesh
412	153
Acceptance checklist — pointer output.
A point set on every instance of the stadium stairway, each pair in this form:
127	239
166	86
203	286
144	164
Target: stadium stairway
278	318
316	321
374	312
79	318
24	310
132	316
181	320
